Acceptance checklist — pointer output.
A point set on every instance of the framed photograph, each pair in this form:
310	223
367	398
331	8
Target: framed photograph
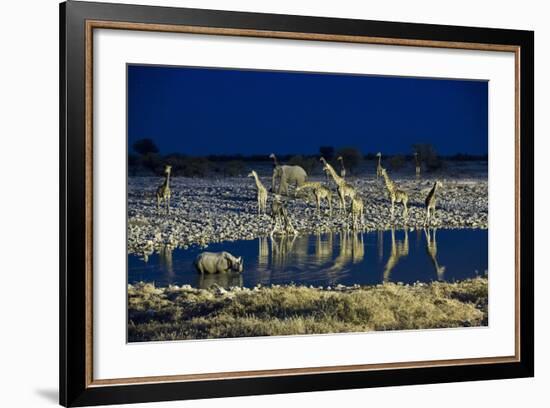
256	204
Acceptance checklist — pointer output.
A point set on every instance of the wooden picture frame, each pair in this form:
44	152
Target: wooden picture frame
78	20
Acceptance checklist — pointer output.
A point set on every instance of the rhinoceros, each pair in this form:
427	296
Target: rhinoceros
218	262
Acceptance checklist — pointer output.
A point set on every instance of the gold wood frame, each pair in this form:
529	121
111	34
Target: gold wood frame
98	24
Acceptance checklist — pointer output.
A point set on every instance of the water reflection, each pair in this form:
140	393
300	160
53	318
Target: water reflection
281	248
431	249
380	244
165	257
224	280
323	247
351	251
399	249
324	259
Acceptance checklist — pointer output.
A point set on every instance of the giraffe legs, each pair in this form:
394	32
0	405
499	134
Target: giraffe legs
427	219
342	201
318	200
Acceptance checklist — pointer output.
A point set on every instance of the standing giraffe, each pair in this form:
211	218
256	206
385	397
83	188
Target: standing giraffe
344	189
342	168
357	208
262	192
280	216
417	164
163	192
431	201
398	250
396	195
379	165
320	192
431	249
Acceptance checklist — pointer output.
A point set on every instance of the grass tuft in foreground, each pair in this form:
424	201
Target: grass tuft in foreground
177	313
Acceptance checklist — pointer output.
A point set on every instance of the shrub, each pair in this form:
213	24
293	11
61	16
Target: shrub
428	155
327	152
397	162
233	168
145	146
307	163
352	157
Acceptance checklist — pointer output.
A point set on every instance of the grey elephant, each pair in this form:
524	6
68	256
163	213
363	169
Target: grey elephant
286	175
218	262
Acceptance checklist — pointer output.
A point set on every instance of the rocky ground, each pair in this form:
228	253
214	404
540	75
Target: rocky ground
205	210
178	313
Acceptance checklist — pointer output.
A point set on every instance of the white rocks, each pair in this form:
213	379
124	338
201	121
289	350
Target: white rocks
208	210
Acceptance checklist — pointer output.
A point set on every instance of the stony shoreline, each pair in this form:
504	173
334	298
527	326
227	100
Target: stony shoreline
209	210
178	313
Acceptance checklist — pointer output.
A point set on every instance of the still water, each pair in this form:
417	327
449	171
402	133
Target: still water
345	258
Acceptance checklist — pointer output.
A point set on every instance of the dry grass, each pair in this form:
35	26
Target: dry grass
174	313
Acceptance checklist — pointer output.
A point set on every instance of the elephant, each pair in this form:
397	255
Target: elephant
218	262
287	175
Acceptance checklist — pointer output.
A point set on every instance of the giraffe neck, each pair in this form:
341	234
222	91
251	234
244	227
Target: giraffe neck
167	180
433	191
275	161
379	161
389	183
337	179
258	182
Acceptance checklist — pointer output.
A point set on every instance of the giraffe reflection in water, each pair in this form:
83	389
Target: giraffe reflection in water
326	259
323	247
399	249
431	249
165	257
352	251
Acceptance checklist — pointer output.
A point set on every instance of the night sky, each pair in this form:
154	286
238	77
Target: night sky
202	111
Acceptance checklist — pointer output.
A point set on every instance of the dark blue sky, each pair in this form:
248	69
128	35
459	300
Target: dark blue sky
201	111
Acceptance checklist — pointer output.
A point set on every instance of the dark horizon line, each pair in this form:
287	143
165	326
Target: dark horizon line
317	154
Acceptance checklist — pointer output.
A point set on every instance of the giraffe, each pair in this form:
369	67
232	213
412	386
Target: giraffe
357	209
396	195
342	168
320	192
280	216
431	201
163	192
431	249
379	165
417	164
398	251
352	249
262	193
344	189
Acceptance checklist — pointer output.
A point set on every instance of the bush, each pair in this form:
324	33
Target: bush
152	162
352	157
145	146
397	162
327	152
195	167
428	155
307	163
233	168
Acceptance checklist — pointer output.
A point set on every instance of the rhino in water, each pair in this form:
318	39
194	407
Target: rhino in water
218	262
